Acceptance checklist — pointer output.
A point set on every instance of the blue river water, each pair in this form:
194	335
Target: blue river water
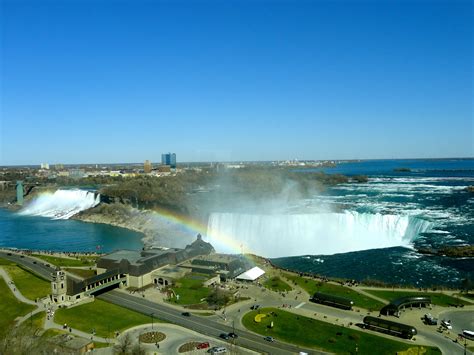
32	232
424	192
433	191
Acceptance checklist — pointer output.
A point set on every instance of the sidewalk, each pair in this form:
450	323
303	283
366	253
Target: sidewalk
13	288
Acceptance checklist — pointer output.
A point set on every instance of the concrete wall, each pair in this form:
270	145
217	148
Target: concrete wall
140	281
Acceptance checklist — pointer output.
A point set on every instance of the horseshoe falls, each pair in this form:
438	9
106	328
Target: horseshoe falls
317	234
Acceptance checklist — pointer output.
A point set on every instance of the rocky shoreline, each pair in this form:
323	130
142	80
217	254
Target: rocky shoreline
157	230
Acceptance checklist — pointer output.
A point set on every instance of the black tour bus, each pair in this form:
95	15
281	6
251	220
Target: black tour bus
333	301
389	327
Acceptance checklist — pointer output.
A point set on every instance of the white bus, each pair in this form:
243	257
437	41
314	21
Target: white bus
468	334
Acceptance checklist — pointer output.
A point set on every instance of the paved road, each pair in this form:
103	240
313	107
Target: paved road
460	320
200	324
213	328
39	267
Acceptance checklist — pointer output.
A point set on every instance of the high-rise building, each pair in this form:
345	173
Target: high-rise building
45	166
147	167
169	159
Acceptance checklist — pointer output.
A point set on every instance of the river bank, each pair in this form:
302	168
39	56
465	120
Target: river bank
157	229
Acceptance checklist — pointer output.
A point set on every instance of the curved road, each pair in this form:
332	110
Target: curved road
213	328
204	326
36	265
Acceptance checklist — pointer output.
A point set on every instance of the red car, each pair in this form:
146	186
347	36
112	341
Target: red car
203	345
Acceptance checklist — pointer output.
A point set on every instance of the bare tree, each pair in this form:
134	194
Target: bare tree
124	345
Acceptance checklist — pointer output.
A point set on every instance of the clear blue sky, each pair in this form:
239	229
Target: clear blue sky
124	81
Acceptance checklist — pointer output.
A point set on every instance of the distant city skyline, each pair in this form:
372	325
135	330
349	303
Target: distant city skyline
122	81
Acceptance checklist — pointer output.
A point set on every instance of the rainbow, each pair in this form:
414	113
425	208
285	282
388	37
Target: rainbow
193	226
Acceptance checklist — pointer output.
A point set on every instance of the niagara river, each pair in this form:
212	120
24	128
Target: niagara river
366	230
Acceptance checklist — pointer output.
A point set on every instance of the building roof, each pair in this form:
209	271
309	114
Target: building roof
138	263
171	272
251	275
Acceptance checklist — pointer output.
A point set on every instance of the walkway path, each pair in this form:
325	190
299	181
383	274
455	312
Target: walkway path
41	307
13	288
175	337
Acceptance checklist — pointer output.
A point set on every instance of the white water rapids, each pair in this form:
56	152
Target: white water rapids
314	234
62	204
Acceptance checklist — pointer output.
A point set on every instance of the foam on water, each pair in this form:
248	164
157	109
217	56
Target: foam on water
279	235
62	204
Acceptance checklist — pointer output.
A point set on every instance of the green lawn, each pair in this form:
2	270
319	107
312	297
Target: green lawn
10	308
83	273
439	299
190	289
466	295
30	285
275	283
36	322
6	262
89	261
104	317
313	286
313	333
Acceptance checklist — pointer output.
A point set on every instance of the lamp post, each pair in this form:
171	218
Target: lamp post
151	315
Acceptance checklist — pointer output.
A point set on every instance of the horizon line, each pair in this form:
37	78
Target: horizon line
242	161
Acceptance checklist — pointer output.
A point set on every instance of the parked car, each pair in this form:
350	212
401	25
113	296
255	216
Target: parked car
217	350
233	335
204	345
429	319
446	324
270	339
186	314
224	336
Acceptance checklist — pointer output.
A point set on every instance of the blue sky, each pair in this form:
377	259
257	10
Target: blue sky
123	81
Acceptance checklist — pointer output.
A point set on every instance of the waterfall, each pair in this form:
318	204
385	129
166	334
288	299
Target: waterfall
318	233
62	204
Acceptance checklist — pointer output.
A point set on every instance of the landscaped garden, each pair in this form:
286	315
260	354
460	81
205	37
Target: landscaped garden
312	333
10	308
30	285
275	283
103	317
189	289
313	286
58	261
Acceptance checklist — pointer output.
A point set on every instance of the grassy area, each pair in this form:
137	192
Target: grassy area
30	285
275	283
49	333
439	299
89	261
313	333
10	307
36	321
83	273
104	317
313	286
466	295
6	262
190	289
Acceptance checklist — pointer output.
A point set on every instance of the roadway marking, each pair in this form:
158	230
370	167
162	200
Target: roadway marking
300	305
246	338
